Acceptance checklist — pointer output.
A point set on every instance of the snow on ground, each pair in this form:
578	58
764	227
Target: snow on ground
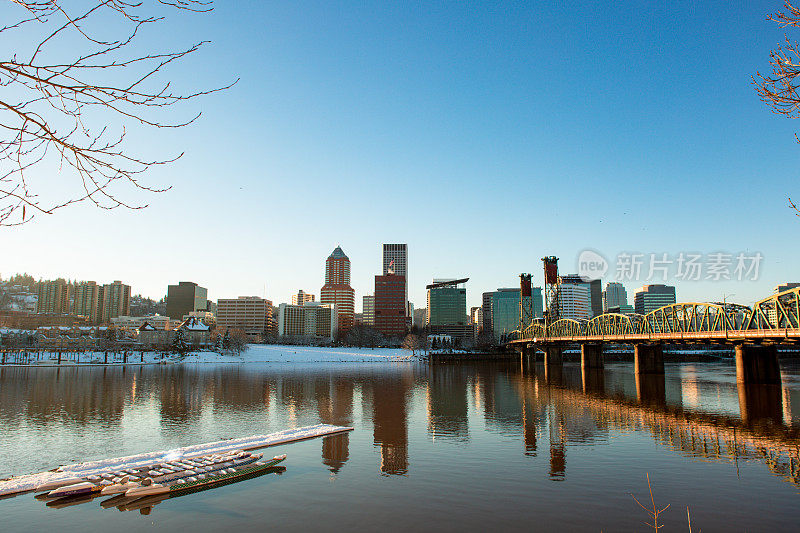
256	353
276	353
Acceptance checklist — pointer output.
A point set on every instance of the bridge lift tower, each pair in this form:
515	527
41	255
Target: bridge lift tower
551	281
525	302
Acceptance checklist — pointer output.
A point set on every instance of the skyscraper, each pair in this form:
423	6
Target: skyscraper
395	261
651	297
447	305
337	290
595	291
390	308
53	296
487	311
615	295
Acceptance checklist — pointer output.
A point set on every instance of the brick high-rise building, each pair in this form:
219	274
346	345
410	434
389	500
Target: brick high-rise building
390	305
53	297
114	299
337	290
87	300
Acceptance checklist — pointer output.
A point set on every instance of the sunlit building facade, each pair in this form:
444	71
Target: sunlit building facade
337	291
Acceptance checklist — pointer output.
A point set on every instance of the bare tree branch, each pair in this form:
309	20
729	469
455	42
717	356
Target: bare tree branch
56	110
779	88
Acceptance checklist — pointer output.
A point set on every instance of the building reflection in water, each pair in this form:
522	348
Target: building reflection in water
447	404
390	397
335	406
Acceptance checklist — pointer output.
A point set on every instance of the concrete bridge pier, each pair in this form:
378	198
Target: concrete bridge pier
591	355
757	364
553	355
648	358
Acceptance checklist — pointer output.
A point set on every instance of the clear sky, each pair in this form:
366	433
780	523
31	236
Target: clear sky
484	136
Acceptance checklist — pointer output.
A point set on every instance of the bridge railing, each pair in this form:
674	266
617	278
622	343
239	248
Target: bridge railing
781	311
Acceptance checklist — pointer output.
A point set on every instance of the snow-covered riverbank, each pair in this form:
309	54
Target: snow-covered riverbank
255	353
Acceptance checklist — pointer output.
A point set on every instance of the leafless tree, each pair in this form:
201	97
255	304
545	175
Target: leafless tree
72	84
779	88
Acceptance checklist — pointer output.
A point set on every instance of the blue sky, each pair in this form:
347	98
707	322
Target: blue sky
484	136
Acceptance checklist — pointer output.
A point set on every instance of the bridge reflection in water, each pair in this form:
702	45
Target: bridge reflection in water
758	434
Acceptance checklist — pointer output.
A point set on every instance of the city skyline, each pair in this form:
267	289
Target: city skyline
344	105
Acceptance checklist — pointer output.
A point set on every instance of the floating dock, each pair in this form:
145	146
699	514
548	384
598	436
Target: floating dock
27	483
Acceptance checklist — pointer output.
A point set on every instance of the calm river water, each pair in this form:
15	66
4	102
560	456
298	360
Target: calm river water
445	447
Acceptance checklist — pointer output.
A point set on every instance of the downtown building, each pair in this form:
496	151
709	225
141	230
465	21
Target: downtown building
337	291
447	311
574	301
250	314
302	297
313	319
505	309
368	310
390	305
114	301
651	297
486	308
395	261
615	299
53	297
184	298
595	287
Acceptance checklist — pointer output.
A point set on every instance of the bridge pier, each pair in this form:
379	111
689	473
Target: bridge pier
591	355
757	364
553	355
648	358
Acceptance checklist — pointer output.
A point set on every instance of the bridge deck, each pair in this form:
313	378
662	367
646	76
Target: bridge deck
768	336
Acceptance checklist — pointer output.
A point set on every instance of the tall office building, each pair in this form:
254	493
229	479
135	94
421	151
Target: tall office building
574	301
337	290
250	314
368	310
390	305
114	300
87	300
447	305
505	311
614	295
184	298
786	286
595	287
487	311
651	297
395	261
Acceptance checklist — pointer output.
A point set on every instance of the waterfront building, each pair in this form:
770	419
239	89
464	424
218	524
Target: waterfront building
184	298
250	314
312	319
505	311
574	301
337	291
651	297
486	311
86	300
53	297
447	305
395	261
368	310
614	295
390	305
301	297
114	300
